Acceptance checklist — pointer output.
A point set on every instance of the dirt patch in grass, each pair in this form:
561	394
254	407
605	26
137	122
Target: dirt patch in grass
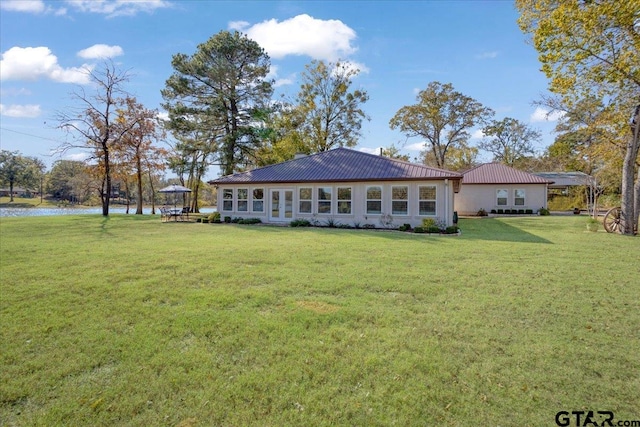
318	306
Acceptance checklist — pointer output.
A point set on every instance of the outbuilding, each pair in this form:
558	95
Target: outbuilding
498	188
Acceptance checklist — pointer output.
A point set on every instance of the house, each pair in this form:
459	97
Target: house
495	187
342	186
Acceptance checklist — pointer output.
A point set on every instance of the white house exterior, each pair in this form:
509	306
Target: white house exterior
341	186
497	187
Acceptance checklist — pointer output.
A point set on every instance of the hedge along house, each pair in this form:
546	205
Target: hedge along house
494	187
341	186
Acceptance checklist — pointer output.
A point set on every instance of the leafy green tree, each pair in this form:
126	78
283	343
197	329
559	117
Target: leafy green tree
214	95
69	180
393	152
589	49
328	112
16	169
443	118
509	140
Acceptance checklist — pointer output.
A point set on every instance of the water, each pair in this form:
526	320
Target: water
11	212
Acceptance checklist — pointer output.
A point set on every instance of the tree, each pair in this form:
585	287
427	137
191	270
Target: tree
217	91
16	169
589	49
136	146
442	117
393	152
95	123
509	140
69	180
328	113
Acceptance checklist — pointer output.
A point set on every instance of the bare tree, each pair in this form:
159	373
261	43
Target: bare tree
94	123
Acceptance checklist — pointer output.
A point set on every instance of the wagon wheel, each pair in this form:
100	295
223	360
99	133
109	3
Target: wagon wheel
611	220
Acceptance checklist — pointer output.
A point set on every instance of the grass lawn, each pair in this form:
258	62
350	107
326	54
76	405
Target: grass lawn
130	321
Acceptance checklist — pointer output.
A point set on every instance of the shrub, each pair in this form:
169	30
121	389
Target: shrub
544	212
203	220
236	220
482	212
500	211
451	229
299	223
344	226
434	229
428	222
403	227
332	223
249	221
369	226
419	229
227	219
214	217
493	211
507	211
593	224
198	219
521	211
528	211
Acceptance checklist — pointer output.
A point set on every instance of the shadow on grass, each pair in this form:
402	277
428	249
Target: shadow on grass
496	230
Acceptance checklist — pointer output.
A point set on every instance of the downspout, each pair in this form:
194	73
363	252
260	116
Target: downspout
446	202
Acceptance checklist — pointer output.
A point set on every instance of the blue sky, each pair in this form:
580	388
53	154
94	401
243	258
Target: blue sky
399	46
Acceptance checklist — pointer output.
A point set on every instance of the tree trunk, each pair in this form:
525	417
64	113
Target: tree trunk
10	191
139	178
106	198
629	215
637	204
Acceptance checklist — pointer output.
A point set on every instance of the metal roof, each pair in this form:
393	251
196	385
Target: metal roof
497	173
338	165
567	179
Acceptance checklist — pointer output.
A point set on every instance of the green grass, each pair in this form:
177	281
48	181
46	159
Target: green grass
24	202
129	321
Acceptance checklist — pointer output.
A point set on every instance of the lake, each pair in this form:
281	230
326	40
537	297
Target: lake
11	212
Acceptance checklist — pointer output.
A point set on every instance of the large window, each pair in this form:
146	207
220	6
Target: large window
304	200
227	199
374	200
518	199
344	200
501	197
399	200
258	200
427	200
324	200
243	203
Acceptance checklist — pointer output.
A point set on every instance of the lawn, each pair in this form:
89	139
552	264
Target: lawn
128	321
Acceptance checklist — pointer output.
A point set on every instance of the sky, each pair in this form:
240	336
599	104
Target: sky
399	47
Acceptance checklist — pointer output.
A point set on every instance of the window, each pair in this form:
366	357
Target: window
427	200
258	199
374	200
227	199
501	197
344	200
399	200
324	200
518	199
304	204
243	204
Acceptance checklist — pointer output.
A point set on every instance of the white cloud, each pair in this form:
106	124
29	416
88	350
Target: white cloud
100	51
543	115
78	157
418	146
33	63
31	6
238	25
328	40
487	55
477	134
29	110
368	150
351	66
113	8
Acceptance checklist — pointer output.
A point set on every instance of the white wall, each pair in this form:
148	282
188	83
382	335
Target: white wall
444	203
473	197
